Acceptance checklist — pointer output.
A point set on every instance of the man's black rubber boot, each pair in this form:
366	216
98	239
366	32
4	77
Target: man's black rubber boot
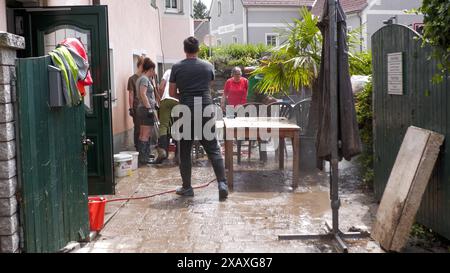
186	192
223	190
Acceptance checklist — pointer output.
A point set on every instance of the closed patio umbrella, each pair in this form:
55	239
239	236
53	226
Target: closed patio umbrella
347	127
333	113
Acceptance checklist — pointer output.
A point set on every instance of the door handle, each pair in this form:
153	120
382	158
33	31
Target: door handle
104	94
87	143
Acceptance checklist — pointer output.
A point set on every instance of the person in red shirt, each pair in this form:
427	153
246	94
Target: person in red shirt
236	90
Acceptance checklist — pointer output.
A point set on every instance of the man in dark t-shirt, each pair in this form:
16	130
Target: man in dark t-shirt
193	77
134	100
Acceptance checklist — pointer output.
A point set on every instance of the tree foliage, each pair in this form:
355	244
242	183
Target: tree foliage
364	112
233	55
200	10
437	32
361	63
296	63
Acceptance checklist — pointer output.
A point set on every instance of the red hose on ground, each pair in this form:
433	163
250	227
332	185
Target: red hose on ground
158	194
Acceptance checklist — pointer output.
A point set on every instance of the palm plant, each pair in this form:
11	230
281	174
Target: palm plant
296	63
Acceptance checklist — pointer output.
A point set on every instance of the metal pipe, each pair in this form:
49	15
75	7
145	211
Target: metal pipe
334	120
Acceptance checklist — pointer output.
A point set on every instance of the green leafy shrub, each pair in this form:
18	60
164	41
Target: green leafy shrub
436	33
234	55
361	63
364	113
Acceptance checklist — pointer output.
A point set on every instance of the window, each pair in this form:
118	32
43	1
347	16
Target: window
219	8
56	35
272	39
235	39
173	6
232	6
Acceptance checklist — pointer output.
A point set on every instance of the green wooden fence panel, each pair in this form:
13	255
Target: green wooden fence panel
53	176
424	105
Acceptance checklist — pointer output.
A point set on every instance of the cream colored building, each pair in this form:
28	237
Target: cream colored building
136	27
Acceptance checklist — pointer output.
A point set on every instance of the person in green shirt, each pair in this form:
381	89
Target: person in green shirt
253	93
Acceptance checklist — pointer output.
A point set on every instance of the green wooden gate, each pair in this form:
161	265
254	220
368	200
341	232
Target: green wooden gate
423	104
52	163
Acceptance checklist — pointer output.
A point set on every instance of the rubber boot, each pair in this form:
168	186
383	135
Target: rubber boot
185	191
163	147
219	170
223	190
144	152
148	149
142	149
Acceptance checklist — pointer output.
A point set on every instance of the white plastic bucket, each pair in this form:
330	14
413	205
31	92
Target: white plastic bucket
123	165
135	156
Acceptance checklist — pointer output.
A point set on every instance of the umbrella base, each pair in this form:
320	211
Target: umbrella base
338	237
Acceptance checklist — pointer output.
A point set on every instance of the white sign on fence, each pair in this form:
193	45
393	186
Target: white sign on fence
395	73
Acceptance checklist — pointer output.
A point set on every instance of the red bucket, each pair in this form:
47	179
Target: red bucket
172	148
97	213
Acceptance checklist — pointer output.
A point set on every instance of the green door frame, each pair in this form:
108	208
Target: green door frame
98	121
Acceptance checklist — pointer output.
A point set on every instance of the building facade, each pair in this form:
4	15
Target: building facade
368	16
253	21
201	30
154	28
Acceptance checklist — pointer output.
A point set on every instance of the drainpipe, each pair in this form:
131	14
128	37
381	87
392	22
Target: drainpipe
210	35
246	24
361	38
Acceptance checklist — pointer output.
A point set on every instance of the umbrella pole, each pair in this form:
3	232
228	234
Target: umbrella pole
332	232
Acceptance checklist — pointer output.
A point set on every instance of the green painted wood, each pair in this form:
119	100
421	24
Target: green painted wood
53	175
424	105
94	20
98	122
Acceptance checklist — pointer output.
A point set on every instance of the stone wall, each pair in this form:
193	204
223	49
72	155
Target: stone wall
9	217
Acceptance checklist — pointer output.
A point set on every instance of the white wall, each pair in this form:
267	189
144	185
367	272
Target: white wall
176	27
2	15
133	32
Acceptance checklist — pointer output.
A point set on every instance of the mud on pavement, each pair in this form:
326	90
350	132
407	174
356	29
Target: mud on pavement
261	207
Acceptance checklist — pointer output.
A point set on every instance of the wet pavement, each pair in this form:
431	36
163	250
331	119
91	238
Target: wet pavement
261	207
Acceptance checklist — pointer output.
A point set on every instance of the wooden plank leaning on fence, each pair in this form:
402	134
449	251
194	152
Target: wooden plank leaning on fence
406	187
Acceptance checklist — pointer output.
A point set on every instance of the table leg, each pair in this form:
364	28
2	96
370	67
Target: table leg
281	150
229	162
239	150
296	166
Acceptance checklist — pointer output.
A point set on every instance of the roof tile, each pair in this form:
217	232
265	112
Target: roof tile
292	3
349	6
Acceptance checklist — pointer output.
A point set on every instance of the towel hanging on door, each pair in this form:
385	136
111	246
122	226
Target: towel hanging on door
62	59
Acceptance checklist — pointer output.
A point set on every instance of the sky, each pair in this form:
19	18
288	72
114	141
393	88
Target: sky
207	3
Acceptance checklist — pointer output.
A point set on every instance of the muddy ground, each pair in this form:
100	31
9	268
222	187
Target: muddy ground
262	206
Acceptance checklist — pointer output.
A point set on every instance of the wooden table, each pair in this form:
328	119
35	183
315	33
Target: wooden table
250	129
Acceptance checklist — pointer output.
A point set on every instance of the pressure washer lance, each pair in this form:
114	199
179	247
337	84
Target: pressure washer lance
159	194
